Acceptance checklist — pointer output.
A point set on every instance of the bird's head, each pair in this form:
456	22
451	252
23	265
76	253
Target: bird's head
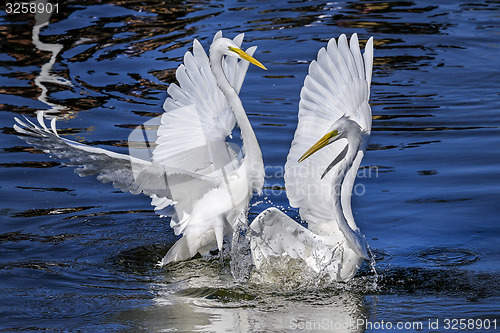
342	128
229	48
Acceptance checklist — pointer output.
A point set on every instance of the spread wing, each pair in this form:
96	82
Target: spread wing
127	173
198	119
191	157
337	85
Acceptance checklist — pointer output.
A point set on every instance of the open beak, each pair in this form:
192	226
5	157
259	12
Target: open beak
322	143
247	57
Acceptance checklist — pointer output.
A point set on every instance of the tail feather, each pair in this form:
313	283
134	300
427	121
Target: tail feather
178	252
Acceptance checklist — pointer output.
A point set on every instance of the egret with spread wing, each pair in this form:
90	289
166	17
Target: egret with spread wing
330	140
193	167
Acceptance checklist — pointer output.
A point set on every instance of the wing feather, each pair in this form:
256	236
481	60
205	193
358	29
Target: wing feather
356	53
127	173
368	58
190	155
337	85
197	116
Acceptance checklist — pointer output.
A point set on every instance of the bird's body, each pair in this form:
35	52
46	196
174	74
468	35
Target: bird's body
210	181
207	180
216	215
329	143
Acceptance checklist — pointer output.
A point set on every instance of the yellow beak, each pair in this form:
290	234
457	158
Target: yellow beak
247	57
323	142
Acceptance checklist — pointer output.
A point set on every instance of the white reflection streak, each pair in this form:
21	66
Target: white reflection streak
45	76
343	313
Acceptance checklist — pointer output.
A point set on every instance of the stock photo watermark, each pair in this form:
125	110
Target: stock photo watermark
311	176
455	324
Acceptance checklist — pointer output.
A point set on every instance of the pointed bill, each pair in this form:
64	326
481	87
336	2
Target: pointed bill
323	142
247	57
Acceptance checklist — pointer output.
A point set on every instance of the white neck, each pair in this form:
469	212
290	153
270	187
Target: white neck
253	154
354	239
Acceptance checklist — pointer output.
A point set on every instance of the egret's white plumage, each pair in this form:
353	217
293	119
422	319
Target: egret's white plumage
210	181
192	167
200	114
334	98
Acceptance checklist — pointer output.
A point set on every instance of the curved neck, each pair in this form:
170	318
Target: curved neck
342	194
253	154
343	170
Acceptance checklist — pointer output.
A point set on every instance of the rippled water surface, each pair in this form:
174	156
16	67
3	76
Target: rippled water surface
79	255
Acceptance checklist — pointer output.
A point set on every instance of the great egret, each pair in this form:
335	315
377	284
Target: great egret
193	168
329	143
210	184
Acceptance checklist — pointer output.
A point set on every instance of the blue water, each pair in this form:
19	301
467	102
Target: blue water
79	255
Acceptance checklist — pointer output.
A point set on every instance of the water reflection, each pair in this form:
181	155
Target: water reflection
50	211
201	295
45	76
127	31
244	308
19	236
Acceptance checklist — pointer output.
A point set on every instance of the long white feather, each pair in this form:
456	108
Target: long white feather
192	165
335	96
337	85
197	116
127	173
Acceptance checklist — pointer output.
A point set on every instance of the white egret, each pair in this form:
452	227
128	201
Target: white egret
195	169
329	143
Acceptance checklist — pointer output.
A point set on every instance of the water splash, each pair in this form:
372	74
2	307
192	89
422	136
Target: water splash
240	257
288	274
373	267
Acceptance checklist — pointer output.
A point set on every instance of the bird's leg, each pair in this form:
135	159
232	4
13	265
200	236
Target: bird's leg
227	226
221	256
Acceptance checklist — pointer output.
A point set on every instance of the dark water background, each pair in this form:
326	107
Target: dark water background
79	255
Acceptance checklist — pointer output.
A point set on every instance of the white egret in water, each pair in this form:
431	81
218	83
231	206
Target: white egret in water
330	140
209	182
